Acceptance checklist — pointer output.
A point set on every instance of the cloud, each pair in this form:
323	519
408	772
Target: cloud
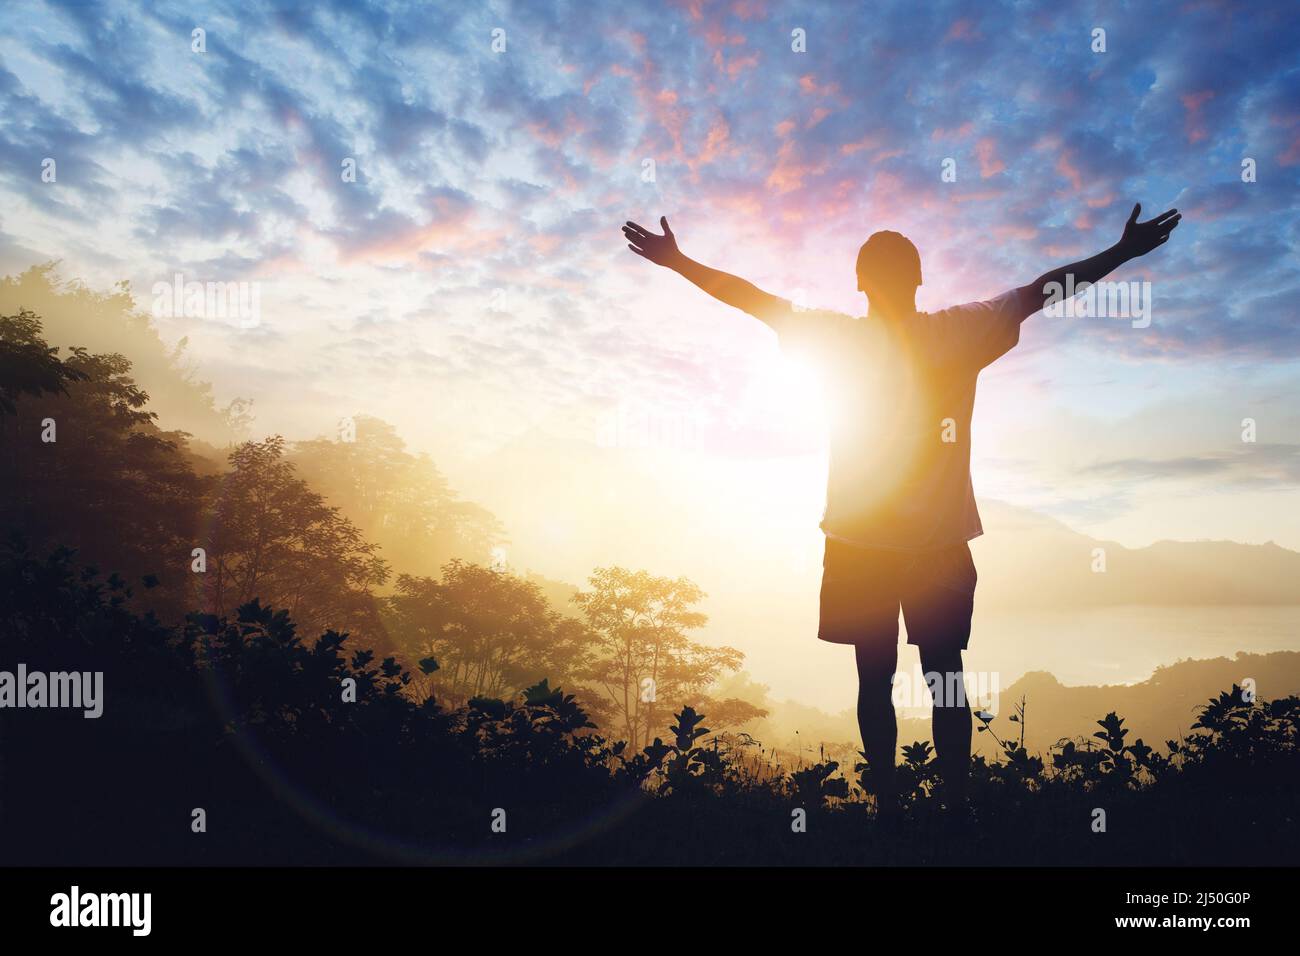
1254	465
480	171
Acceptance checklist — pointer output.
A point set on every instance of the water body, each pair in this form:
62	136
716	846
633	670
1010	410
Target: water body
1124	645
1098	646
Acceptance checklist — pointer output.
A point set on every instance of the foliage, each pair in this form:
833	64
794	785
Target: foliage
648	664
398	500
816	785
28	366
490	631
328	749
110	483
109	322
239	714
268	535
1020	766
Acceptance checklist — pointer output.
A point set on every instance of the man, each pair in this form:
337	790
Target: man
899	504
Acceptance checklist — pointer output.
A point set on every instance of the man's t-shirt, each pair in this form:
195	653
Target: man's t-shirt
900	395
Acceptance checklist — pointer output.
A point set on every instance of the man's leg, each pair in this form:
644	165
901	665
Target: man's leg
876	721
951	720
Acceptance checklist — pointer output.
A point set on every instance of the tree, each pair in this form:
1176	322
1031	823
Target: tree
85	465
647	664
399	500
72	314
270	536
491	633
29	365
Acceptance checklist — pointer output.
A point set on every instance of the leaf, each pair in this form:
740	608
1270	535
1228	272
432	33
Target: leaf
541	694
491	706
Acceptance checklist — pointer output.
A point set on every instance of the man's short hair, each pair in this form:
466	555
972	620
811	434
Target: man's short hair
889	253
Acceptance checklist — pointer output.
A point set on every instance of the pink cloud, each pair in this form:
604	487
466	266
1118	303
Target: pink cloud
1066	168
749	9
808	84
886	198
1292	154
716	145
961	132
544	245
867	142
1195	124
735	65
819	114
963	29
990	165
694	8
976	196
552	135
1016	232
452	229
789	172
717	37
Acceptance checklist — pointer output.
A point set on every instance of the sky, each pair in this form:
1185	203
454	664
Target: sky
470	285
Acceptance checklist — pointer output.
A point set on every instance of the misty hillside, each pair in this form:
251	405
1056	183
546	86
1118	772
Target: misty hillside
73	314
1029	560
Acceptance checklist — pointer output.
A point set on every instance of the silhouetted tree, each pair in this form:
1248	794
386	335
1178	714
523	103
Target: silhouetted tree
84	464
73	314
492	633
399	500
270	536
241	714
28	364
647	663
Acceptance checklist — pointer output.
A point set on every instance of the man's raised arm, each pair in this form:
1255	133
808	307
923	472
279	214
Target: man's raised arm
733	290
1138	239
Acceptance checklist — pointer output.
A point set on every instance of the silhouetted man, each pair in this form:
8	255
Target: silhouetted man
899	504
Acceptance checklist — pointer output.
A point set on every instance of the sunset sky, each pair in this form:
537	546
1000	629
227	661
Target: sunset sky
472	286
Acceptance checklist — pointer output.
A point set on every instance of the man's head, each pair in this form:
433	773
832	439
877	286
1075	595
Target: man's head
889	271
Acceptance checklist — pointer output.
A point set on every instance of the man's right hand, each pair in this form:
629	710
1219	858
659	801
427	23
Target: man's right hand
661	250
733	290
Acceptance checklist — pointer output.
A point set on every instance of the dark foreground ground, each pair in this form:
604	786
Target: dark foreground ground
243	721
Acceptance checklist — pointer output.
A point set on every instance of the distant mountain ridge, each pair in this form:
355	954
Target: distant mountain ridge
1161	708
1030	560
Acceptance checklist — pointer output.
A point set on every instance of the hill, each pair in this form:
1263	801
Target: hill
1157	709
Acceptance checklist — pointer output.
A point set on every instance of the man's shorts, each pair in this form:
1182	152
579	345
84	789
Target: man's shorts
863	589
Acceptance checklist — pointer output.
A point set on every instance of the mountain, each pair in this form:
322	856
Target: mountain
1029	560
1164	707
